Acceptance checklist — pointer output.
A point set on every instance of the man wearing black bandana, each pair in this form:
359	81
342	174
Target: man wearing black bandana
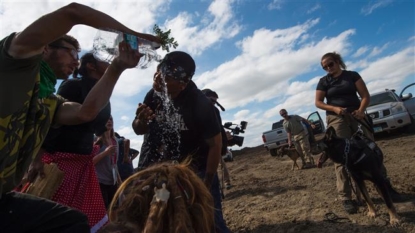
188	126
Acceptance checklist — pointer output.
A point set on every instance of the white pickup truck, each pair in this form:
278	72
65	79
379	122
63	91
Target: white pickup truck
277	137
390	111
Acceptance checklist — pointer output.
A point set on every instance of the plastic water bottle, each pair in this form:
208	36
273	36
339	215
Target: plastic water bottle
105	47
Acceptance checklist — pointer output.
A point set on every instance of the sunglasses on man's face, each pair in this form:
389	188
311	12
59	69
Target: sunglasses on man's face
330	65
71	51
283	114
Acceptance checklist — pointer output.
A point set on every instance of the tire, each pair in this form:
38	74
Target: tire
273	152
411	127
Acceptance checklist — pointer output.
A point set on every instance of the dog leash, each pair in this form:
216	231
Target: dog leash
333	218
346	165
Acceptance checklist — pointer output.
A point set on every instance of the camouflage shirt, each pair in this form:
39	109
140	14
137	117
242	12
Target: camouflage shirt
24	119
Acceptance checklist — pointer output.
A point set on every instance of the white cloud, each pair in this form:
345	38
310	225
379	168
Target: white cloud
314	8
242	114
377	50
125	118
361	51
270	60
218	23
389	71
372	6
275	4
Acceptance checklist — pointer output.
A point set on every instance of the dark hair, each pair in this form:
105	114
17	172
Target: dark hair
68	39
283	110
336	57
85	59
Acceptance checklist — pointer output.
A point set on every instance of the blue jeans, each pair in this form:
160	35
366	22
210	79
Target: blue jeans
220	225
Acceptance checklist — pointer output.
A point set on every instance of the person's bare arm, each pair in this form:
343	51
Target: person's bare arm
107	152
307	122
319	101
70	113
365	96
50	27
289	138
214	156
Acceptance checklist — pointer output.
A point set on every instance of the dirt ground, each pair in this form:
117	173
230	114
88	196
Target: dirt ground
267	196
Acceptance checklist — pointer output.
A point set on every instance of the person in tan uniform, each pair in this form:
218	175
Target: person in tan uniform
295	130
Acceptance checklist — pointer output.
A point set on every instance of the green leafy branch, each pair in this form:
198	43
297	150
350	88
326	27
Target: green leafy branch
166	40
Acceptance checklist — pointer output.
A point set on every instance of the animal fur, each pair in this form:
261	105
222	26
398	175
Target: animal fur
363	163
291	153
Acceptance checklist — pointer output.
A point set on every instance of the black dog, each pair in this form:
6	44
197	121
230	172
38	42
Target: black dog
363	160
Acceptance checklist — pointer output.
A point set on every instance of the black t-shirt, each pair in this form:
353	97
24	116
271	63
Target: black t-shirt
195	120
223	132
341	91
77	139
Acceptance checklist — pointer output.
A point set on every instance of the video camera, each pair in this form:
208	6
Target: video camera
236	140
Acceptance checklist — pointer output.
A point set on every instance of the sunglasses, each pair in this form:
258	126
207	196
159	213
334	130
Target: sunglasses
170	69
73	52
330	65
283	114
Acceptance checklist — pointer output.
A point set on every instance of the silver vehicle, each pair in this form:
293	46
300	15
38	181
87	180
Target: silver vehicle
409	100
275	138
390	111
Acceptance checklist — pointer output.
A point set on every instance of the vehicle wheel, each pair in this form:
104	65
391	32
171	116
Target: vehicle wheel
273	152
411	127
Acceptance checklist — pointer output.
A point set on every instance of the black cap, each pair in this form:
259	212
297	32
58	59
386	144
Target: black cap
210	93
178	65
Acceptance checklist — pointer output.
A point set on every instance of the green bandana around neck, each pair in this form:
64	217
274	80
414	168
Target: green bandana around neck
47	80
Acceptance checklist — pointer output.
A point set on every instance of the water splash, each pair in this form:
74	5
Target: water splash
169	132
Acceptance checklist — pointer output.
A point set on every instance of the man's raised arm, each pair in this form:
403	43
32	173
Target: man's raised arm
71	113
50	27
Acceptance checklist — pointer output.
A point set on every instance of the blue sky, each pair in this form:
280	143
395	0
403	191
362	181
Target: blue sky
259	56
